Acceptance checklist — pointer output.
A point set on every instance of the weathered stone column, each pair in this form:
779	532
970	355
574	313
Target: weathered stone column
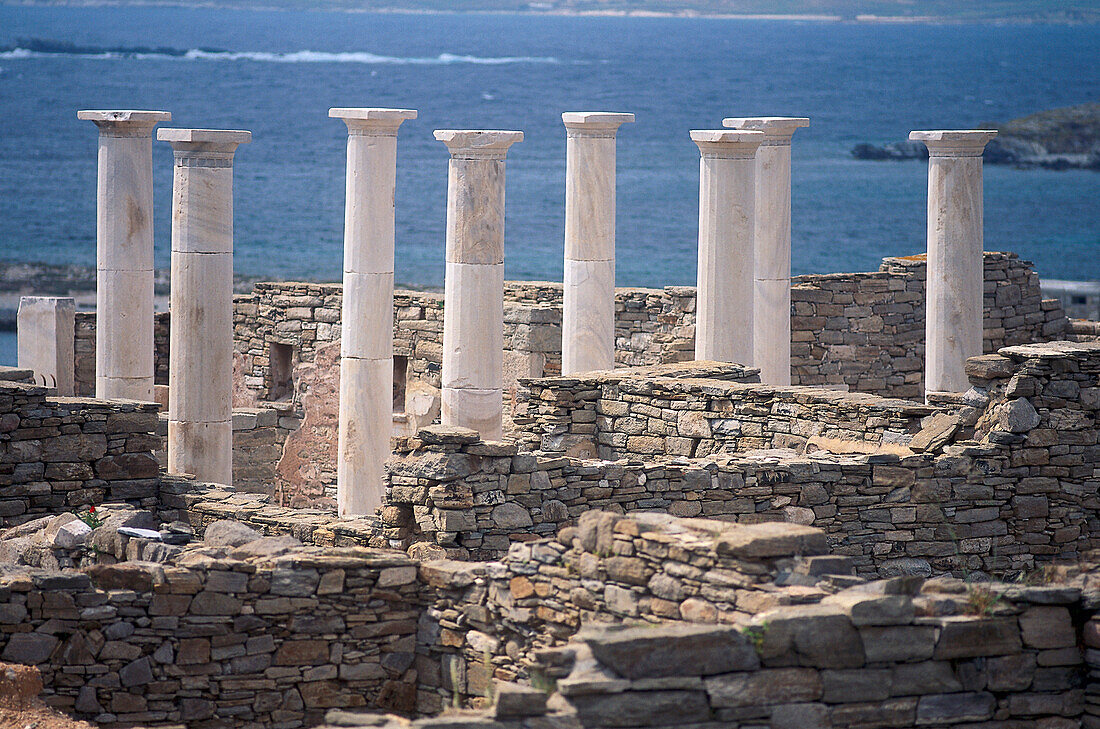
954	285
200	384
46	340
366	331
473	313
772	259
124	253
727	202
588	304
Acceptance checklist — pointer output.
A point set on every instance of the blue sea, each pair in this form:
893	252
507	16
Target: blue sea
277	74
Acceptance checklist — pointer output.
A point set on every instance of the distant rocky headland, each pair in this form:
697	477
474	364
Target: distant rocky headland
1059	139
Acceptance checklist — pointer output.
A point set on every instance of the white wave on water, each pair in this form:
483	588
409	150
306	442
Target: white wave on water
295	57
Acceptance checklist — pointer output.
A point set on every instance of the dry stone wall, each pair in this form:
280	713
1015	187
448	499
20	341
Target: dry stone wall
811	645
59	453
995	486
264	635
84	347
688	410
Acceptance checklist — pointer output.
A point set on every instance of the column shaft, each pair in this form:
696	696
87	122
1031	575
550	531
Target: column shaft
772	259
473	314
724	296
588	306
955	278
200	393
124	252
366	344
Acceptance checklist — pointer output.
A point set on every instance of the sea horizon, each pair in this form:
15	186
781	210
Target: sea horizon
277	72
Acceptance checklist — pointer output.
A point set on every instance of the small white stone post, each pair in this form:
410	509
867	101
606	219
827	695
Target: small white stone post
473	313
200	384
772	259
727	204
588	304
366	340
955	280
46	340
124	253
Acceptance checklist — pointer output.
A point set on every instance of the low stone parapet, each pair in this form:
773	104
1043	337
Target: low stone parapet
269	634
62	453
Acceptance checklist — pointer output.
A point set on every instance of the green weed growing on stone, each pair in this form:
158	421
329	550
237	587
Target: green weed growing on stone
982	600
755	635
542	682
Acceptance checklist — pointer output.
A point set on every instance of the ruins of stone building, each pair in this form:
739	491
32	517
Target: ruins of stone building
671	542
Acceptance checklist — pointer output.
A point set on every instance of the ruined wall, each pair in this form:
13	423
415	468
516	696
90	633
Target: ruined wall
812	646
84	369
59	454
859	331
998	486
305	316
201	504
681	410
263	635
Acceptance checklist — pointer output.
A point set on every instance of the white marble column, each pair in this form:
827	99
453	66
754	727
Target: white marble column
588	305
366	342
200	384
46	340
954	285
772	264
473	309
727	204
124	253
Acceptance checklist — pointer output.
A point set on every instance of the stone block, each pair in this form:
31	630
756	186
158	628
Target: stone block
1047	627
939	709
969	637
676	649
768	686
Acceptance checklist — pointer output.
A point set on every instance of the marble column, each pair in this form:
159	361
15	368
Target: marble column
588	305
46	340
727	205
772	259
473	313
954	284
124	252
366	342
200	376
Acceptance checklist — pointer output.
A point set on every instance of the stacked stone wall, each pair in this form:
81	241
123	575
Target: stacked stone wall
812	645
307	316
202	504
682	410
267	635
997	486
858	331
61	454
84	347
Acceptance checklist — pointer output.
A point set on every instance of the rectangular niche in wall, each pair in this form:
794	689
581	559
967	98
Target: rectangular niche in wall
282	372
400	365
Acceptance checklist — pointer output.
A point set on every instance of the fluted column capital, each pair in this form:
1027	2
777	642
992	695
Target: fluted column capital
778	130
954	142
372	121
478	143
727	144
124	122
595	123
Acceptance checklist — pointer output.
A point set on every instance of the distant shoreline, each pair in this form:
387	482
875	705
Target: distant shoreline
558	12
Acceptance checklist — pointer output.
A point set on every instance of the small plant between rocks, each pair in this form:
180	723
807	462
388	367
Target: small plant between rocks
982	600
89	517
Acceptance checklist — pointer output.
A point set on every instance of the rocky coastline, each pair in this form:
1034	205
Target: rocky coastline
1059	139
